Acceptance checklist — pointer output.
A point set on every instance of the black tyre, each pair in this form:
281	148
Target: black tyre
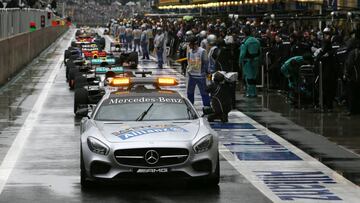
81	97
73	72
133	57
80	81
69	65
211	180
66	54
214	178
85	183
117	61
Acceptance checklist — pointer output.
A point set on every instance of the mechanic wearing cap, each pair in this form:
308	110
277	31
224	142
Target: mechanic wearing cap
249	59
197	71
159	46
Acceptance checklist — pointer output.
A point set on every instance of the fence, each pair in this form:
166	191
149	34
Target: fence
14	20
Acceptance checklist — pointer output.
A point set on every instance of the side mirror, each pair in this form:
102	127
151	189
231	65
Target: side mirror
83	112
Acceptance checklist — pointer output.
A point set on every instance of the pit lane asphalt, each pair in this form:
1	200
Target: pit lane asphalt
47	166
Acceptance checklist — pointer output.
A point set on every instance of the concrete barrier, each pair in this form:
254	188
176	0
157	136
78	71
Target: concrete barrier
19	50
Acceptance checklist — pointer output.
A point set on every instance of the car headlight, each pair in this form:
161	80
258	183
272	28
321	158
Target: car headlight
97	146
204	144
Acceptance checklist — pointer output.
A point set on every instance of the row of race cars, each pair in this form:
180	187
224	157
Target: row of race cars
88	65
133	128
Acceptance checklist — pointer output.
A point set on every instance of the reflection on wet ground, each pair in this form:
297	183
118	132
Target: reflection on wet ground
332	138
18	96
337	127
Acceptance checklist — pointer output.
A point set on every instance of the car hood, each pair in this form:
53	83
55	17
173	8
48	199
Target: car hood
149	131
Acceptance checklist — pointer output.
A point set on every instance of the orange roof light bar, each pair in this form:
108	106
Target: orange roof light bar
167	81
120	82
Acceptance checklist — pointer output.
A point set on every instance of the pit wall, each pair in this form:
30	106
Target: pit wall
19	50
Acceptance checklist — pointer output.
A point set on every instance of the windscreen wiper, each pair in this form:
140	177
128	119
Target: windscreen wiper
143	114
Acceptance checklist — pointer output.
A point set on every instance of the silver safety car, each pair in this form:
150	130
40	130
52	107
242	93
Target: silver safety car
137	132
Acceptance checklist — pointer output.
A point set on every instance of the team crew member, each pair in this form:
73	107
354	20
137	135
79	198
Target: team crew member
144	42
129	37
122	36
197	70
150	37
212	55
290	69
326	56
137	36
159	46
250	60
352	76
220	103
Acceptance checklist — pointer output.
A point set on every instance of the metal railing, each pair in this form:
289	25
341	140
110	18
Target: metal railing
14	20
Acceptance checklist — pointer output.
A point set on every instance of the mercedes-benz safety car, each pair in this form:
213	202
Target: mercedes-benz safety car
138	132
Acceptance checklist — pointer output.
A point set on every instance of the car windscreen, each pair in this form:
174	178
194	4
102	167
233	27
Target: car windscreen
145	109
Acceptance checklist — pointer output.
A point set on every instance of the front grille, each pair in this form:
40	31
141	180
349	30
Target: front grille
136	157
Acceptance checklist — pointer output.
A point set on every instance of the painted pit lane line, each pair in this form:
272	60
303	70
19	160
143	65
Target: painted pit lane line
18	144
281	171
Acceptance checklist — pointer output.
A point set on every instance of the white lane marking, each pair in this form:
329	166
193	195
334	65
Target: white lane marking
12	155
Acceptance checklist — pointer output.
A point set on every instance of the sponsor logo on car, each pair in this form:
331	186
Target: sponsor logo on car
144	130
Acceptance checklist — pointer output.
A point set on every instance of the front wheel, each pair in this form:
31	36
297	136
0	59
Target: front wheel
214	178
85	183
81	98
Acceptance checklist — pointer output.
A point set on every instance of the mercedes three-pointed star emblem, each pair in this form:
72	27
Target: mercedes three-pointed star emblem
151	157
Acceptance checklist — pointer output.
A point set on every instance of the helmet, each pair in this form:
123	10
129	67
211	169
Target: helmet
188	33
219	77
327	30
202	34
211	39
229	39
210	27
192	40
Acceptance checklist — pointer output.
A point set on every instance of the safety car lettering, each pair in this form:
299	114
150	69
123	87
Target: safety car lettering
145	131
295	185
113	101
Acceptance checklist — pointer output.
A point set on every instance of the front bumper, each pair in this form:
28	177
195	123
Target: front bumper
107	168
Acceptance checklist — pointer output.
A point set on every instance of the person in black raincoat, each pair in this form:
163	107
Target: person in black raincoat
220	92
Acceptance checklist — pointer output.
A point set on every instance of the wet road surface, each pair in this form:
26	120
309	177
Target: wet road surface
332	138
43	163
